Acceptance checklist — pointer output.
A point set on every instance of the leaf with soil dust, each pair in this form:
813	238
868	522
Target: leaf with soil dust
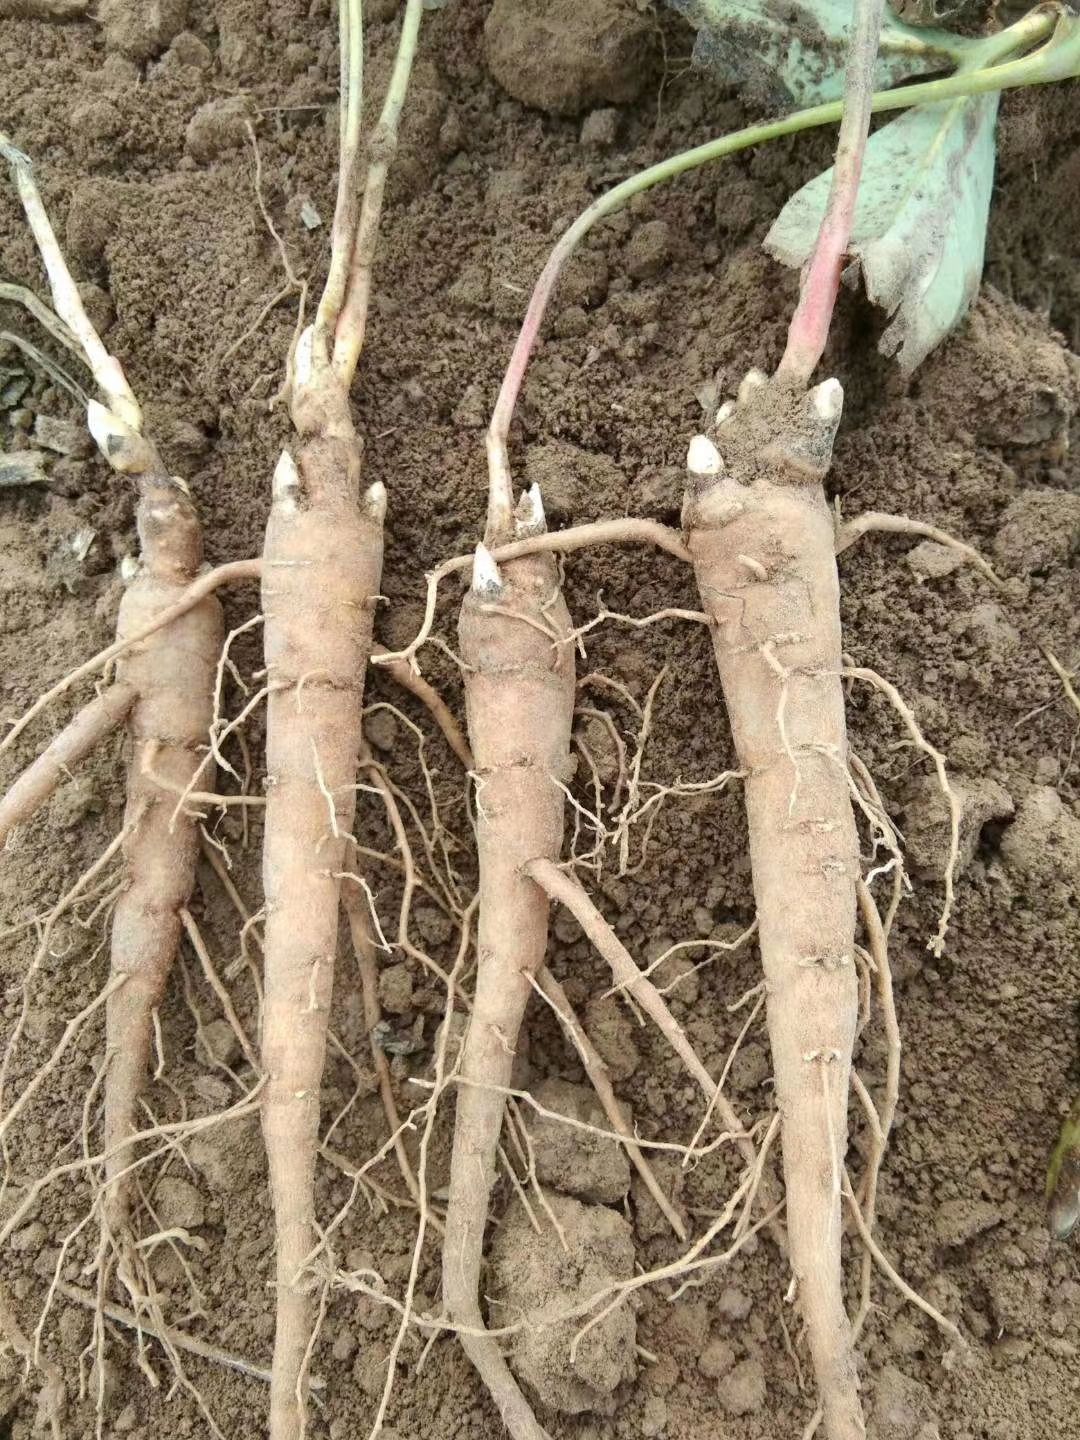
786	52
920	220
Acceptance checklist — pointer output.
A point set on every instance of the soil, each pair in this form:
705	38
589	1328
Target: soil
137	127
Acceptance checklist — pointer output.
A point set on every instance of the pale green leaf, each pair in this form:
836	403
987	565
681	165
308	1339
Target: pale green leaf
920	220
791	52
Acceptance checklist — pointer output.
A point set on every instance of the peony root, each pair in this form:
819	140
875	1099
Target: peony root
322	568
519	695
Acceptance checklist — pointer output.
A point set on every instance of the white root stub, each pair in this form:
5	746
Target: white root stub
286	483
375	501
486	582
751	381
304	359
110	432
703	458
828	399
529	517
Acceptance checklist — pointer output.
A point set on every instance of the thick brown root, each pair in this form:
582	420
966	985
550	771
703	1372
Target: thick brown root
762	539
172	674
323	562
519	692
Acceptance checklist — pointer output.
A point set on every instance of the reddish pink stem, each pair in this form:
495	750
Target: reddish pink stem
501	488
809	328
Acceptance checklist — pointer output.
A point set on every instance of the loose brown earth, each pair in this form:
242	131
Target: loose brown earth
666	308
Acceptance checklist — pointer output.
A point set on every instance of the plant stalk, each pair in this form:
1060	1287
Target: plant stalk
1057	59
809	329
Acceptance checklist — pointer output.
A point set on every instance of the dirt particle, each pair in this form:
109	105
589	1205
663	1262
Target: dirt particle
217	127
571	1160
381	730
990	628
569	477
223	1156
531	1273
654	1416
141	28
396	989
600	129
44	9
717	1359
901	1406
659	492
733	1304
738	203
98	305
178	1203
1039	531
927	820
930	560
1008	371
649	1220
97	119
648	249
564	55
472	288
960	1220
612	1032
30	1238
218	1044
92	218
1016	1298
188	49
344	1347
742	1390
1043	842
65	437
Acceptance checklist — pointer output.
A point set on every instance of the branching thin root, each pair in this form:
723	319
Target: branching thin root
564	889
549	988
911	724
889	1270
876	522
206	584
53	1397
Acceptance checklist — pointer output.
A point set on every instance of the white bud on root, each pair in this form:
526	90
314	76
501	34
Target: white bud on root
110	432
529	517
726	411
486	581
828	399
286	483
375	501
751	381
703	458
304	358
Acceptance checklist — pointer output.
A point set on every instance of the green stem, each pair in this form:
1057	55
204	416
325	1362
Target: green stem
1057	59
349	340
343	231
